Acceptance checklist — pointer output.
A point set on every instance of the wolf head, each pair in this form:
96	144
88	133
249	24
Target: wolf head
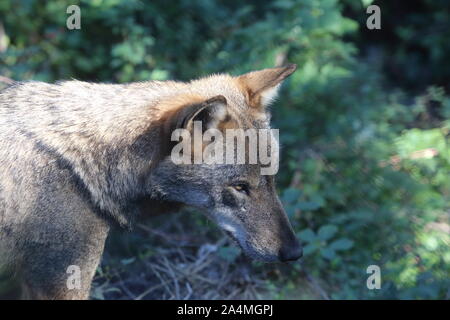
237	197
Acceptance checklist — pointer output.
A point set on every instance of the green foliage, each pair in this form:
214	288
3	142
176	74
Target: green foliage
413	46
322	242
364	172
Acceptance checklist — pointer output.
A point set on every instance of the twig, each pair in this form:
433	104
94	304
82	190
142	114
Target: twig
312	281
163	281
160	234
172	275
151	289
189	289
232	294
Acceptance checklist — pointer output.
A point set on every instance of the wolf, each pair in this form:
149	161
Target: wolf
78	158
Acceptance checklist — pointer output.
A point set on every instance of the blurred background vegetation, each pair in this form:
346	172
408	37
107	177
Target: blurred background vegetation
364	125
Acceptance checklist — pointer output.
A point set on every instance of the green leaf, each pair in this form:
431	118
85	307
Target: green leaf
307	235
229	253
341	244
291	195
327	232
328	253
127	261
308	206
309	248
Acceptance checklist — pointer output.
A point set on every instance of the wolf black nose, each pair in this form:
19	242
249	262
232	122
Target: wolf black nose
291	253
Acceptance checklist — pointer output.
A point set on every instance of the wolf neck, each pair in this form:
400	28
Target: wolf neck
106	134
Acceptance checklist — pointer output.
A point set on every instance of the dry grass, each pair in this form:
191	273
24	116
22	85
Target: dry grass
182	264
180	257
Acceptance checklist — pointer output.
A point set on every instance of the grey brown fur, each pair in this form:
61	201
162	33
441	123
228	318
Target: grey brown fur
77	157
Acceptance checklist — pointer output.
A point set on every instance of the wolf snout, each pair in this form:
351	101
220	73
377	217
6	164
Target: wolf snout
291	252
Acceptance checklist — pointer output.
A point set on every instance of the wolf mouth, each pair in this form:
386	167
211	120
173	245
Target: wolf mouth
233	238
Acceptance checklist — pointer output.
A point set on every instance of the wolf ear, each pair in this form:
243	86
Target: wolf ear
261	87
183	111
210	112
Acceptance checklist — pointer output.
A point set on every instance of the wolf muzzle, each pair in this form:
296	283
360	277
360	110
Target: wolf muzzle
291	252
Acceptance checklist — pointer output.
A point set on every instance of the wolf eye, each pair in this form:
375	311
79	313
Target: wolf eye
242	187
